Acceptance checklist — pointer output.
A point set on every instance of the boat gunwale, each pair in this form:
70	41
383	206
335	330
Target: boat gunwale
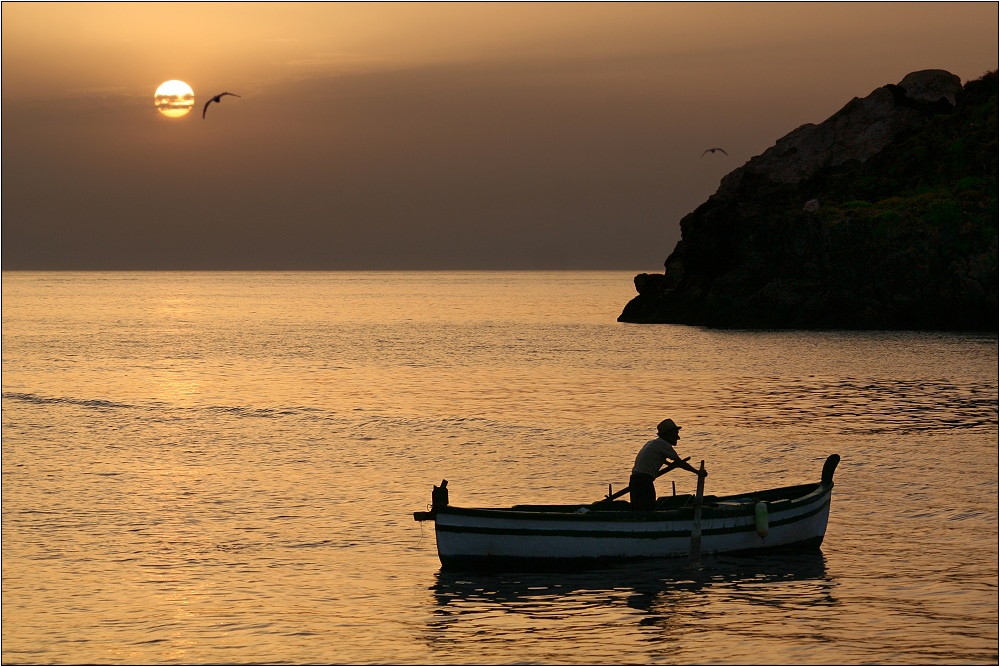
741	507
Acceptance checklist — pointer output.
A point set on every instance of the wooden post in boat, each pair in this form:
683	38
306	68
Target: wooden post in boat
696	526
664	470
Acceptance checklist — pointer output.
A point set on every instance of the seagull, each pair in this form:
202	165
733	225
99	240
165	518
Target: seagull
218	98
710	150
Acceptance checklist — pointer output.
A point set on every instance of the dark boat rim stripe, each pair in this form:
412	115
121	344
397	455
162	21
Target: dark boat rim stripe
561	563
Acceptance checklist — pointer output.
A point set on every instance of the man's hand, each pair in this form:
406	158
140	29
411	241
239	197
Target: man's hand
700	473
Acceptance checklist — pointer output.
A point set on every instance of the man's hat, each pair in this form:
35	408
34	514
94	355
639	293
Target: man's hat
667	426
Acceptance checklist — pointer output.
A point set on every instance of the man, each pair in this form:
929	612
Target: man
647	463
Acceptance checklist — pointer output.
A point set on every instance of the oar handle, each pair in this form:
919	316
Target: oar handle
663	471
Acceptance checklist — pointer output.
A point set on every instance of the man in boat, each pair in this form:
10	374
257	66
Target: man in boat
647	463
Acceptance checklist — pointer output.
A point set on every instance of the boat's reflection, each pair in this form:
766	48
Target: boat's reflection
655	595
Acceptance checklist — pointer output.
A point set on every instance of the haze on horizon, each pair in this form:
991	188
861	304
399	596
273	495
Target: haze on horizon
420	136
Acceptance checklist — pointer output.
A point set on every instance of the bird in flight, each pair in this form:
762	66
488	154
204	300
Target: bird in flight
712	150
217	98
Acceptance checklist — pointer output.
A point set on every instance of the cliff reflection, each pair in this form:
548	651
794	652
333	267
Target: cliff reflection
649	602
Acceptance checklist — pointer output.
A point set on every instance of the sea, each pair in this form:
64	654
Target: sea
222	468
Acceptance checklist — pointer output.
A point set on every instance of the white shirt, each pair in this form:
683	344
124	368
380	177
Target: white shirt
653	455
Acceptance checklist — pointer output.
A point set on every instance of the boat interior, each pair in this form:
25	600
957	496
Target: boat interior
739	502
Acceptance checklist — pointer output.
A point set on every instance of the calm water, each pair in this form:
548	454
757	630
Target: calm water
222	468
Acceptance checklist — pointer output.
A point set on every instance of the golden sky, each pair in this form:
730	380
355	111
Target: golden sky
412	135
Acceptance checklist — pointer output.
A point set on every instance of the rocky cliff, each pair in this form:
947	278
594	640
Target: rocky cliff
884	216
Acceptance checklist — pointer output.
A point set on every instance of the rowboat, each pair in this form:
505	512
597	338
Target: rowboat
791	518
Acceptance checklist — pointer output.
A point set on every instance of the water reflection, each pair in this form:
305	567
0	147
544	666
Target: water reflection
642	603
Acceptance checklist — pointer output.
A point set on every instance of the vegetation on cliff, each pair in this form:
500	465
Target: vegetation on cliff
900	233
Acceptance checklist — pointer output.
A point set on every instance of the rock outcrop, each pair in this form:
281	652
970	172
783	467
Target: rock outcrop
884	216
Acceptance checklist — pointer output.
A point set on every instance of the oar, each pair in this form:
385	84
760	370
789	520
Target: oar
663	471
695	550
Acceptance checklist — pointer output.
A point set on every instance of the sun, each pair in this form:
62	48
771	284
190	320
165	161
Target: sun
174	98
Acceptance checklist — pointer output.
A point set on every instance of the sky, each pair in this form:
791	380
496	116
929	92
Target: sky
384	136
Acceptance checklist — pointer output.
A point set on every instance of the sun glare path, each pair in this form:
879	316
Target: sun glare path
174	98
